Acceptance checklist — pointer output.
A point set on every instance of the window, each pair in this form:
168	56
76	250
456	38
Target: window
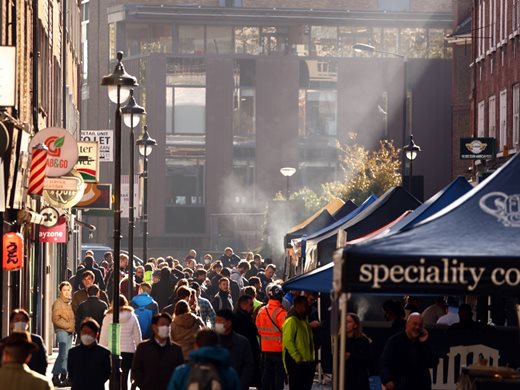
219	40
321	112
247	40
436	48
413	42
480	116
492	117
390	38
244	99
112	41
185	96
191	39
348	36
516	115
516	15
274	40
503	119
480	25
324	40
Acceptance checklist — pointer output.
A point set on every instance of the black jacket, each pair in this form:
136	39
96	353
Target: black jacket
241	359
231	261
161	292
407	363
97	274
92	307
356	366
38	360
153	365
243	324
88	367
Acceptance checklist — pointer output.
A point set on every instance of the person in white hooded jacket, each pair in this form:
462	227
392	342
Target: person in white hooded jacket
130	335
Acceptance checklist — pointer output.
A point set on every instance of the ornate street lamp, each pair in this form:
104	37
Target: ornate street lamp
132	114
287	172
145	144
119	84
411	151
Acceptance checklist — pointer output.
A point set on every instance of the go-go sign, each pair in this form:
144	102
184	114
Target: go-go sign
63	150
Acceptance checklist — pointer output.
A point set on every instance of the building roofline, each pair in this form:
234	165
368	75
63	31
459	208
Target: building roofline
187	14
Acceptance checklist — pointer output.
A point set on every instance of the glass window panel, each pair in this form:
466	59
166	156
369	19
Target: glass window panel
112	40
219	39
186	71
390	36
435	43
244	112
321	110
169	110
189	110
348	36
247	40
274	40
413	42
324	40
191	39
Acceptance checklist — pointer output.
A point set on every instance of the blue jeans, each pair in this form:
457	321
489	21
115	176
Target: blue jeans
64	340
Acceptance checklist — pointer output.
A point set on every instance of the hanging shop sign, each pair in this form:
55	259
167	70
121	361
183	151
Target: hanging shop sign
4	138
63	150
482	148
96	197
55	234
12	251
105	140
50	216
88	161
7	76
64	192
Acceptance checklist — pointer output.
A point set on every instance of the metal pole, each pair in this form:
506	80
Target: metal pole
287	188
145	205
342	340
115	383
405	116
411	177
131	221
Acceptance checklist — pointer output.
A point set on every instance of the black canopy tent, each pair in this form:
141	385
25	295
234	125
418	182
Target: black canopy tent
470	247
382	211
346	209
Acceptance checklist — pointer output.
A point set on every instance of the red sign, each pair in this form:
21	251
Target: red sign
12	247
55	234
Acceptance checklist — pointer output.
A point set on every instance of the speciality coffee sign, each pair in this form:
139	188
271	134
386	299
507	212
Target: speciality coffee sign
477	148
63	150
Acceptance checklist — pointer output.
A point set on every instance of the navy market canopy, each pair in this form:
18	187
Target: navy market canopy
437	202
469	247
319	280
346	209
384	210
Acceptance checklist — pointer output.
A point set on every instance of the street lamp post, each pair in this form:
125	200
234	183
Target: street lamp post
145	144
132	113
411	151
287	172
119	84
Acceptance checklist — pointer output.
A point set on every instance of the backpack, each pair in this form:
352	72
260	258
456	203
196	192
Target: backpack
144	316
204	376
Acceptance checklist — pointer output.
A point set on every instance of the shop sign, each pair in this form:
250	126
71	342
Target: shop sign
63	150
7	76
64	192
105	140
12	251
55	234
482	148
50	217
96	197
88	161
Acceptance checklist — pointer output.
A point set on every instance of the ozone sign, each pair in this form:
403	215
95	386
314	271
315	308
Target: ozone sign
63	150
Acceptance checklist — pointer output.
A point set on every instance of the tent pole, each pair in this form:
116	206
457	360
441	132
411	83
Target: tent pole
334	340
320	369
343	338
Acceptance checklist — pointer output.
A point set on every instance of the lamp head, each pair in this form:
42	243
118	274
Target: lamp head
119	79
132	112
288	171
145	143
411	150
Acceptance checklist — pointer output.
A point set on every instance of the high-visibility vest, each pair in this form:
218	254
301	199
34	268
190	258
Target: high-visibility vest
270	333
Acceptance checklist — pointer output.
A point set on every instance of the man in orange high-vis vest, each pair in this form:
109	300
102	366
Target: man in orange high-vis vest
269	322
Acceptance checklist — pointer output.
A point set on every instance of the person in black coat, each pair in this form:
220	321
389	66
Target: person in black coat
233	286
89	266
243	324
408	357
88	364
162	290
229	258
156	359
92	307
357	355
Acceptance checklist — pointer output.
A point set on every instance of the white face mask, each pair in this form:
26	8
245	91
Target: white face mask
219	328
87	339
20	326
207	261
163	331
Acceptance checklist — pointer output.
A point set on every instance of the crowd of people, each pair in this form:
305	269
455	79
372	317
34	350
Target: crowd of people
224	320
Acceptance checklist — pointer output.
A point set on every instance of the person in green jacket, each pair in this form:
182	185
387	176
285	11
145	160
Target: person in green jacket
298	346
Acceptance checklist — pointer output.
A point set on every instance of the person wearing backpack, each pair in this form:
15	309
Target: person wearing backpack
209	367
145	308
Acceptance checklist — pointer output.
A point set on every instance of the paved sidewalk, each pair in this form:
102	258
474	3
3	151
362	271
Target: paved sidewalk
52	359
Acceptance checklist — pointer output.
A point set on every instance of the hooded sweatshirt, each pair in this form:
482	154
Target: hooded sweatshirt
145	308
218	356
130	331
183	330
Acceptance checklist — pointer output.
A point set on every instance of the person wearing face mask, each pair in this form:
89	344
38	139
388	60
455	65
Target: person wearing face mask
298	346
156	359
238	347
19	322
89	363
64	324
